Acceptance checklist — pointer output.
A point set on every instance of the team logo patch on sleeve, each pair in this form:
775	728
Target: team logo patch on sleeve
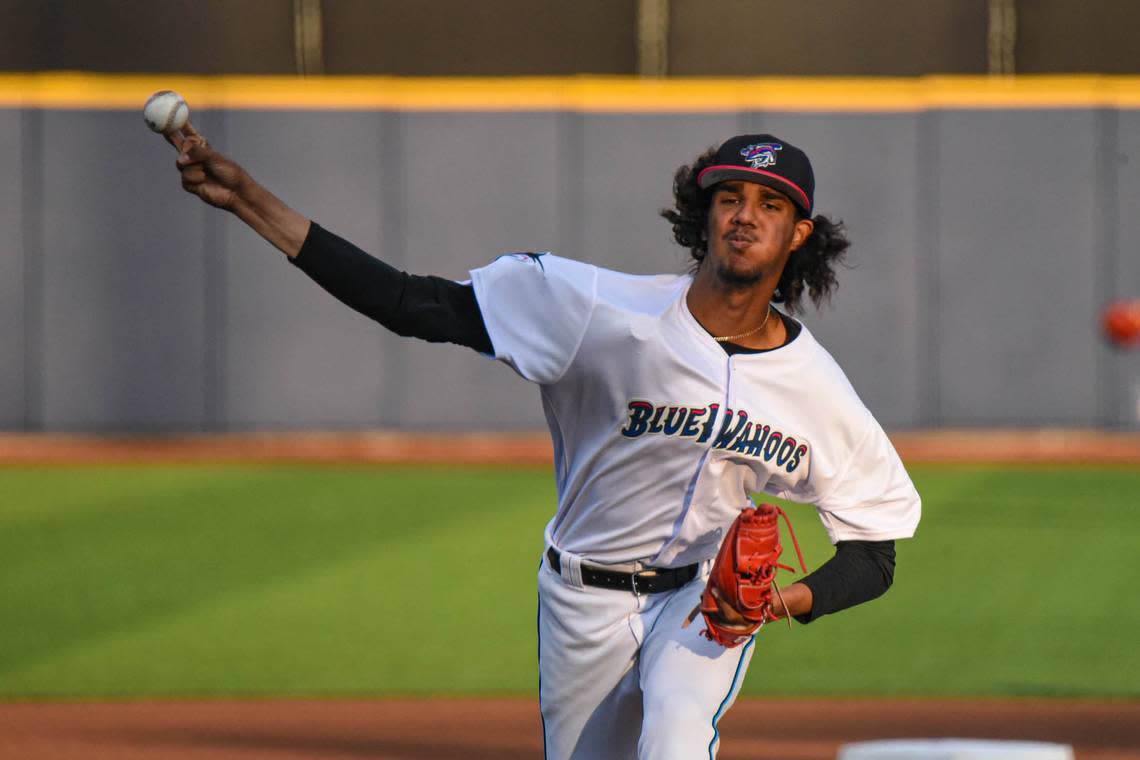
730	430
528	257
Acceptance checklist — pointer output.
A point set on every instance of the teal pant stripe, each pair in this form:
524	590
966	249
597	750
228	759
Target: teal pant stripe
731	690
538	627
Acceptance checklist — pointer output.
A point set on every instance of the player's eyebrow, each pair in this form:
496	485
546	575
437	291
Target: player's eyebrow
773	195
730	188
766	193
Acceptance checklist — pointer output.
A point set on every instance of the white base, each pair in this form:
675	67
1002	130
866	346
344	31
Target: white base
954	749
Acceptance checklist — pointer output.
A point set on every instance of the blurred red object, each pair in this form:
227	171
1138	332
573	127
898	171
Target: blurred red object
1121	322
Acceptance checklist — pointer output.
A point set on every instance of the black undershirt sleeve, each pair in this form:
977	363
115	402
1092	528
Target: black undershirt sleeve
859	572
431	308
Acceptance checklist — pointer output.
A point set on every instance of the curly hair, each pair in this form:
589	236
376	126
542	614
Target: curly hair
811	266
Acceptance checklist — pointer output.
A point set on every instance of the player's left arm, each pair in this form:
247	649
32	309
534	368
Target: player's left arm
866	506
858	572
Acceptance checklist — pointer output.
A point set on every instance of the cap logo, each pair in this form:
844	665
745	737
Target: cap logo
759	155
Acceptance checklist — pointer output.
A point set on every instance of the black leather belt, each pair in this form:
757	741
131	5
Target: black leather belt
652	580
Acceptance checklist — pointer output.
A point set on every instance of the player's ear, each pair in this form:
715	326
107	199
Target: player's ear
802	232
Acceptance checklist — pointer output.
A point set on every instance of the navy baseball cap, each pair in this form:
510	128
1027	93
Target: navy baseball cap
766	160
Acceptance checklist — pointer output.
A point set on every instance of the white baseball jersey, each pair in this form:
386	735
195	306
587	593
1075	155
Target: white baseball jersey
659	435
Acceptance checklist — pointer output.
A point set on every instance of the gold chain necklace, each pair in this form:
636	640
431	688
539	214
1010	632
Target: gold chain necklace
727	338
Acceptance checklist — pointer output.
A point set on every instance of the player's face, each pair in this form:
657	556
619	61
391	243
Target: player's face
752	229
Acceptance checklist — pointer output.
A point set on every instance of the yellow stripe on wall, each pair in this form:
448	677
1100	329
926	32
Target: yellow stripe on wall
585	94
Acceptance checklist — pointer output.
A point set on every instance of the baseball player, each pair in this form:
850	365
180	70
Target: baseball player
670	400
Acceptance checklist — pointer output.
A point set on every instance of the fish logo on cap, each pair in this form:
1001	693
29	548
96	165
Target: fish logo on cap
759	155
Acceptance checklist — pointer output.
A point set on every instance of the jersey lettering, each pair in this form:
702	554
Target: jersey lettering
727	436
736	432
773	445
754	445
800	451
673	420
690	427
639	413
742	439
786	451
713	409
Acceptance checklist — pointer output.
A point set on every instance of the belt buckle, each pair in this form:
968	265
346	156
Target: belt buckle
633	580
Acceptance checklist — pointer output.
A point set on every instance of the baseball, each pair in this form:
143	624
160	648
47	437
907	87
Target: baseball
166	111
1121	323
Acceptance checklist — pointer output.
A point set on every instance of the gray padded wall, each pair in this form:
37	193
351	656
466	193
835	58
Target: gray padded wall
13	279
290	354
1017	266
1122	275
985	245
122	292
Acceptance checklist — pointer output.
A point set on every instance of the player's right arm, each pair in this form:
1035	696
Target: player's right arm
222	183
430	308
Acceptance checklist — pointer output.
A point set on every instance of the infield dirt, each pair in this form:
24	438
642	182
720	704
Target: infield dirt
435	729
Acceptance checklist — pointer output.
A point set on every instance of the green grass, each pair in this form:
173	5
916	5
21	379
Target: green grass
1020	581
239	580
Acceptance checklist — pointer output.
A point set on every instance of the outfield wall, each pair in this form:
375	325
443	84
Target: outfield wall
989	230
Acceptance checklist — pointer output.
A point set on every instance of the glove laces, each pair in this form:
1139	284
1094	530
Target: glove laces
799	555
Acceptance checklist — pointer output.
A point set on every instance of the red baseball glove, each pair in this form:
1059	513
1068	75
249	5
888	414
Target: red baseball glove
744	575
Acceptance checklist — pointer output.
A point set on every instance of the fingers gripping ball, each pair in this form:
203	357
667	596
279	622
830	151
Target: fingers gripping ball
166	112
1121	323
744	575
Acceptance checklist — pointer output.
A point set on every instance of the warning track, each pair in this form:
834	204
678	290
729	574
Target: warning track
1047	446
